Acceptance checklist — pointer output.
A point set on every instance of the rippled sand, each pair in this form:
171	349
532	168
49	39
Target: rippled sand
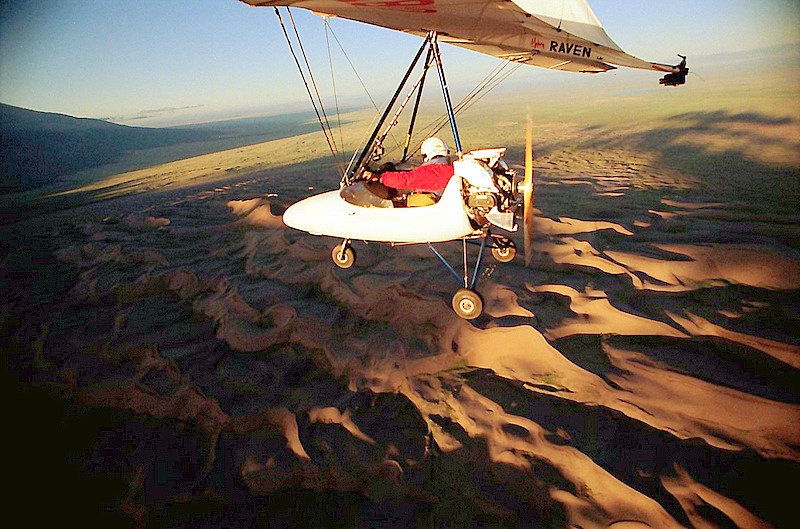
642	372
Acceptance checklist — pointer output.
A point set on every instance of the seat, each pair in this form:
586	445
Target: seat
416	200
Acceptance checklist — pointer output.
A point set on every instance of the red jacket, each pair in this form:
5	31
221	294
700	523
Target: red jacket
432	177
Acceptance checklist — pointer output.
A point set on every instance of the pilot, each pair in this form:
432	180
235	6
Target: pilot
432	176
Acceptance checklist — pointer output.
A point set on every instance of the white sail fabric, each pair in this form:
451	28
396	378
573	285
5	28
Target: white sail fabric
574	17
556	34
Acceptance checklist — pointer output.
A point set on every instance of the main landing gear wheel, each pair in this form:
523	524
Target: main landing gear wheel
467	304
506	253
343	256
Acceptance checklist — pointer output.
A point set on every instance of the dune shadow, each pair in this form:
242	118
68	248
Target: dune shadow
638	455
731	154
714	360
189	301
708	119
288	180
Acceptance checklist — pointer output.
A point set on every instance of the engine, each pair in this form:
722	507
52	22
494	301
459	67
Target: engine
489	190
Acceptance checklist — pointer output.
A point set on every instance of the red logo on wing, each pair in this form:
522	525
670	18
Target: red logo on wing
416	6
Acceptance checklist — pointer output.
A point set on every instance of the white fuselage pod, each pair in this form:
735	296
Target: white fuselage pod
329	214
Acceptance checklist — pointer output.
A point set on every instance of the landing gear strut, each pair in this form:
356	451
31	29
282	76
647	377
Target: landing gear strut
467	303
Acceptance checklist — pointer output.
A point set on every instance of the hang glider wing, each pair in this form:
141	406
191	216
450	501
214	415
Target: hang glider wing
555	34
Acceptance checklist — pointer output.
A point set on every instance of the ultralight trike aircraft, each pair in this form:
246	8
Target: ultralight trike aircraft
484	195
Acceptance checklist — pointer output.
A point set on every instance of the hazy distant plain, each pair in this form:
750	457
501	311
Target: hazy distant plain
734	126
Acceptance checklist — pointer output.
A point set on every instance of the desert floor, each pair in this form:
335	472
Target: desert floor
181	358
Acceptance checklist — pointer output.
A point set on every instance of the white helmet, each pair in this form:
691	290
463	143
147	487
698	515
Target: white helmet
432	147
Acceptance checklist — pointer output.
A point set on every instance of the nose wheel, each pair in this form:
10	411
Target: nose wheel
467	304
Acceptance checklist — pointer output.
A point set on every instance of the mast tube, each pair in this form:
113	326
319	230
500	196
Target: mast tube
448	104
417	85
370	144
416	108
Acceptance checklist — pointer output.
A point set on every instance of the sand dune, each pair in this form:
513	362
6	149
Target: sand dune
596	315
697	326
756	267
642	372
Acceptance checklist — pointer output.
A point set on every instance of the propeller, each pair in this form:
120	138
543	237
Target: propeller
527	194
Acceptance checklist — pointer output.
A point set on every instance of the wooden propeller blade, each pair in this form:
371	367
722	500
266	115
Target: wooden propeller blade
527	197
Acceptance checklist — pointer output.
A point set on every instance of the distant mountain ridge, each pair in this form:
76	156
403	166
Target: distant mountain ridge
17	118
36	148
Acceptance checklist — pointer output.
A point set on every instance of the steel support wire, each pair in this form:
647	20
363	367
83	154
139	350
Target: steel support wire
328	134
492	80
368	149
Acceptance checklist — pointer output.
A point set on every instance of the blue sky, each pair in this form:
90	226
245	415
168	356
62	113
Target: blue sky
184	60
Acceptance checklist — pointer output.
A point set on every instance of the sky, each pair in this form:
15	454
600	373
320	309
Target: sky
163	62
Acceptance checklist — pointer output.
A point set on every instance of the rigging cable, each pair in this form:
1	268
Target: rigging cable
366	91
333	80
311	75
471	97
325	129
489	82
492	80
363	85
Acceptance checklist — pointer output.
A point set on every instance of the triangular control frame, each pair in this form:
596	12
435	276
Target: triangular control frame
373	150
